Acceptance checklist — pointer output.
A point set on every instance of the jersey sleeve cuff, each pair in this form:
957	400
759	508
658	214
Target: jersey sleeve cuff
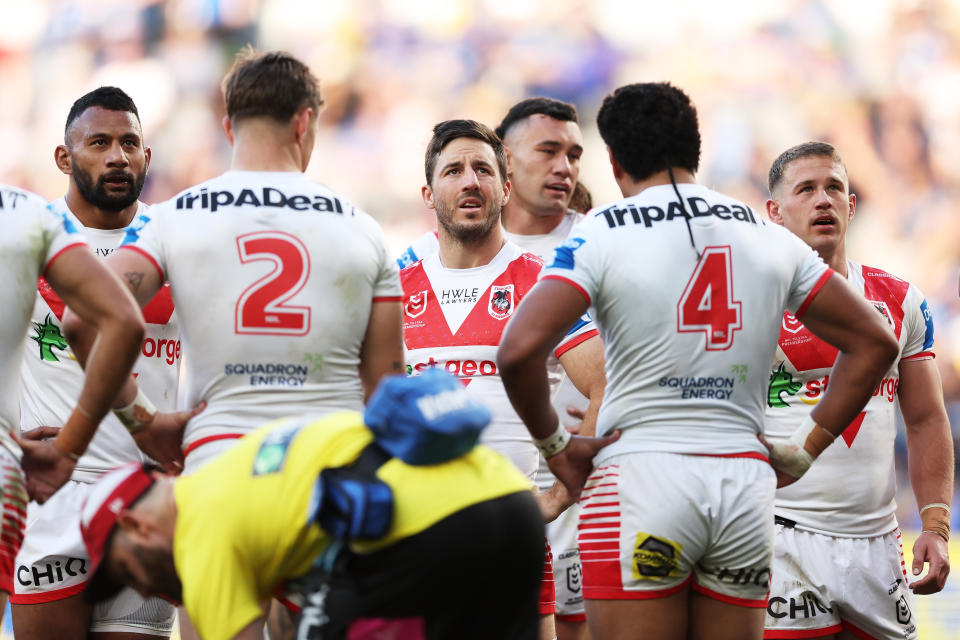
802	309
149	257
388	298
580	339
923	355
73	245
570	282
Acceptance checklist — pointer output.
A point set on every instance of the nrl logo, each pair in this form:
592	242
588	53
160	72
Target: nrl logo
790	323
884	311
416	304
501	304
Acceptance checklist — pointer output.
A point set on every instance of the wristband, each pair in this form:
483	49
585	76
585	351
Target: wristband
935	505
136	414
554	443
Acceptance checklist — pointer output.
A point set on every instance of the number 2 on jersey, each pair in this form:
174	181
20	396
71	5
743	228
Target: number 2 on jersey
262	308
707	303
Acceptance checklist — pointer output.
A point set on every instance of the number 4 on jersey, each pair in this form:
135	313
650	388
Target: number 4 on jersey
707	303
262	308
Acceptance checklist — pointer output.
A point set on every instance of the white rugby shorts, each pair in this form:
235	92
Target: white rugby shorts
567	574
654	523
53	564
824	584
13	502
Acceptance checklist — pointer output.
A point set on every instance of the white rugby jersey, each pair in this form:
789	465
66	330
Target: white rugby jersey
32	238
453	318
51	379
688	340
849	490
273	276
542	246
539	245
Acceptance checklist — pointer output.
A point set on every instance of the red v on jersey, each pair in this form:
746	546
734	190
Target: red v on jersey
157	311
426	325
806	351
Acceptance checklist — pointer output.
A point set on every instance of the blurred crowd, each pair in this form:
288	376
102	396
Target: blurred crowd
880	79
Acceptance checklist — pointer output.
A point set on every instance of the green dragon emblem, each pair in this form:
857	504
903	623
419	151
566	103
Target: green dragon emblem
49	337
781	382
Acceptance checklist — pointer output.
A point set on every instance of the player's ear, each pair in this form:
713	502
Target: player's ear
773	212
61	155
618	171
853	206
228	128
507	187
147	154
427	194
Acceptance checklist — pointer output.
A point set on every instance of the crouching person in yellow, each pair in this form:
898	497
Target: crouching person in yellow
299	504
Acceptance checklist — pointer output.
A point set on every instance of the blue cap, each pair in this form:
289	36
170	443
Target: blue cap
426	419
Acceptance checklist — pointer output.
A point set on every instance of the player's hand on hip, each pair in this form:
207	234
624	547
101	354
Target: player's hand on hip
162	438
780	461
554	501
45	467
930	548
40	433
573	465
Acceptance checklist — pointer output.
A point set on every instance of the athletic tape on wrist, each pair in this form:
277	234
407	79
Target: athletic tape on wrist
136	414
554	443
933	522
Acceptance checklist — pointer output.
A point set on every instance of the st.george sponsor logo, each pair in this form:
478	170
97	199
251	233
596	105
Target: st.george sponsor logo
270	374
458	367
698	208
655	557
168	350
51	572
806	605
782	385
703	387
455	296
266	197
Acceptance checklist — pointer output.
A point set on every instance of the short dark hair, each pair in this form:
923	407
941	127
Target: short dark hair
110	98
270	84
556	109
650	127
804	150
449	130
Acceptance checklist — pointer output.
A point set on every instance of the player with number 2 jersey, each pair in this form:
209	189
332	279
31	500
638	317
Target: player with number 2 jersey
274	277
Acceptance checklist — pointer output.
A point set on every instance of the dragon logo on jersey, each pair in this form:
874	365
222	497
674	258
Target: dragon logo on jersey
790	323
884	311
781	382
501	304
416	304
49	338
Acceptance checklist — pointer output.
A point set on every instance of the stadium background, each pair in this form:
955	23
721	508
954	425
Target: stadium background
878	78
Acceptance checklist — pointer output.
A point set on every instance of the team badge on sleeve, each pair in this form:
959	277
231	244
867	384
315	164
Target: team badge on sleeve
501	301
416	304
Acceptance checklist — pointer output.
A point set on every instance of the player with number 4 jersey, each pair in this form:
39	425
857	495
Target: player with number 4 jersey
687	287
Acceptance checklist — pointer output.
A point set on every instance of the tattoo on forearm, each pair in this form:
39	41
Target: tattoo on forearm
135	278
